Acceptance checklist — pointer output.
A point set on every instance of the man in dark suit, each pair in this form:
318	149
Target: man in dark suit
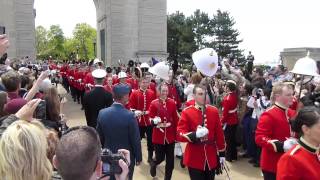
97	99
118	127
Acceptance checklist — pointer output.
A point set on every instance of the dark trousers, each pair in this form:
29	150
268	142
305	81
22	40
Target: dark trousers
196	174
269	175
253	149
250	67
65	84
165	152
231	150
73	92
81	96
147	130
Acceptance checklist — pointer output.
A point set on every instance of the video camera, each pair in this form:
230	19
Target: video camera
311	99
110	161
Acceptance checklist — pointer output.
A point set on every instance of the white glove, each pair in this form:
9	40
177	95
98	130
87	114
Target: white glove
222	160
201	132
289	143
137	113
156	120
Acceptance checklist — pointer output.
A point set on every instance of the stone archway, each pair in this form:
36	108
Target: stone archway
132	29
126	29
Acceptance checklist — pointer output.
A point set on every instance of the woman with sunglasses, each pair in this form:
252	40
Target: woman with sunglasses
302	162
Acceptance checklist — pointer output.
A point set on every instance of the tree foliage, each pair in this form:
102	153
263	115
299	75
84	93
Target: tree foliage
53	43
188	34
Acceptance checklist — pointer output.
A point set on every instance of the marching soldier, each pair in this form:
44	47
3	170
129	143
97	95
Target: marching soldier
204	136
173	91
88	79
273	129
96	99
164	118
302	161
139	102
230	119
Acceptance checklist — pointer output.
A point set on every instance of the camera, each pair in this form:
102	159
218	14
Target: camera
110	161
2	30
259	93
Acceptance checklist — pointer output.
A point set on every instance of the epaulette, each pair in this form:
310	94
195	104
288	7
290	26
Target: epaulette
269	108
295	150
188	107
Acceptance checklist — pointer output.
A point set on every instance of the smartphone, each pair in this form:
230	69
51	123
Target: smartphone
40	111
2	30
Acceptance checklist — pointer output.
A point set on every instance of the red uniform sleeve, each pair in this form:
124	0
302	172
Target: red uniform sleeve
226	109
287	168
132	100
183	128
264	133
153	109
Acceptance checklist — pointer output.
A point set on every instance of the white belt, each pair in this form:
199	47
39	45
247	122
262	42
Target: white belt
233	111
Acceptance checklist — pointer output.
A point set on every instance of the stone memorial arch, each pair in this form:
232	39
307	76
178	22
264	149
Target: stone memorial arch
126	29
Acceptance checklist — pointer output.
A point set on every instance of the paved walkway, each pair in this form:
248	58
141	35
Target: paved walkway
240	170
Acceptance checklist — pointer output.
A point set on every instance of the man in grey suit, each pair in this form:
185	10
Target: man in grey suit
118	127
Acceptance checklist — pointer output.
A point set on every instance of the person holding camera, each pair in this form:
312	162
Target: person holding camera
78	156
118	127
302	161
201	128
164	118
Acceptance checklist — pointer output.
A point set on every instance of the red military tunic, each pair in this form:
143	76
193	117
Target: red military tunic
115	79
88	81
190	103
273	126
63	70
299	163
152	86
294	105
79	79
167	111
141	100
70	75
173	94
108	88
134	83
229	108
197	155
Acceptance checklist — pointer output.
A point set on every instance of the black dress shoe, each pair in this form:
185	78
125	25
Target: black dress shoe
251	161
181	163
153	169
256	165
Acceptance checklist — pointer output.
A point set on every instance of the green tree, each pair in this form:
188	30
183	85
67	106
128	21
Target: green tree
41	42
56	42
201	28
84	35
180	37
226	40
70	48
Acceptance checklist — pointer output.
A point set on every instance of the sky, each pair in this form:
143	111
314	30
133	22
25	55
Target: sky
266	27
